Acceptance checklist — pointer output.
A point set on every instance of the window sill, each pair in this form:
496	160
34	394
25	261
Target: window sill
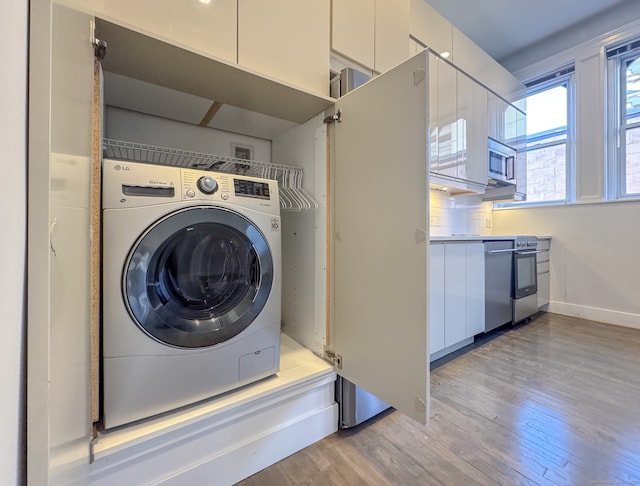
567	203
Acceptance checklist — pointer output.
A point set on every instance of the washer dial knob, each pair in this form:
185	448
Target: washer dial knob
207	184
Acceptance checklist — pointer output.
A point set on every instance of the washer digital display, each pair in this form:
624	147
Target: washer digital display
245	188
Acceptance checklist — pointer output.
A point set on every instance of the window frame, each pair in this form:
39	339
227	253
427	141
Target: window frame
564	76
618	59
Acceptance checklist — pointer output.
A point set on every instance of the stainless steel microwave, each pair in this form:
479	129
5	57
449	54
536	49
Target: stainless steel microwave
502	163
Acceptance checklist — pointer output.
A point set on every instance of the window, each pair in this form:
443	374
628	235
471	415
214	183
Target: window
549	146
624	136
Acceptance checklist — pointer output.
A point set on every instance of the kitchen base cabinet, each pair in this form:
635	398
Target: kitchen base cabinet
544	272
436	298
456	296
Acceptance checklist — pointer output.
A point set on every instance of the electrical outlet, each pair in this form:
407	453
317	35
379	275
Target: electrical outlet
435	220
487	222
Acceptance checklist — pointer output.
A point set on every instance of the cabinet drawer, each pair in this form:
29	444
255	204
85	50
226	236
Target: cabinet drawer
544	244
543	256
543	267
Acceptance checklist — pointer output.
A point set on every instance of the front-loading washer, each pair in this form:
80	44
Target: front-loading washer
191	286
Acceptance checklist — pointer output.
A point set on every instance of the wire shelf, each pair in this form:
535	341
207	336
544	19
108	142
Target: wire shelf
292	195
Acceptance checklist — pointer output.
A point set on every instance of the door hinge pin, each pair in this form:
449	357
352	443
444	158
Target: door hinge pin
100	49
336	359
334	118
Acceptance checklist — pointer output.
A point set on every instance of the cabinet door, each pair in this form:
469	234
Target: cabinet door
379	296
60	149
286	39
353	30
496	108
391	33
472	131
474	288
447	119
430	28
211	29
434	128
455	291
436	298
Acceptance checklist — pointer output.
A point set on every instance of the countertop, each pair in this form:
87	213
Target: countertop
436	239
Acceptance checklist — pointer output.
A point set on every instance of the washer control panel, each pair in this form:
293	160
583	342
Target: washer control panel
132	184
219	186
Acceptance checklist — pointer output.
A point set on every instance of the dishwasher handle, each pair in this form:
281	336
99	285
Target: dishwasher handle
533	252
506	250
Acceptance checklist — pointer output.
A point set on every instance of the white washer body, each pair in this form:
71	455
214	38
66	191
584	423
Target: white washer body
170	364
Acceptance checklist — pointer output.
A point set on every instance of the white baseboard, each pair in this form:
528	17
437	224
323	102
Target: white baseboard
596	314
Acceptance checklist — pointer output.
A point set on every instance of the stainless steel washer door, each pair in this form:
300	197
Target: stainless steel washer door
198	277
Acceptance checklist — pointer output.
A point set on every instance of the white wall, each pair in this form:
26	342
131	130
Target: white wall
595	268
13	83
152	130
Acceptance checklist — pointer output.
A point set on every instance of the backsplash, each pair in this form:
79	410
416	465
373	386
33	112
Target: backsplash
460	215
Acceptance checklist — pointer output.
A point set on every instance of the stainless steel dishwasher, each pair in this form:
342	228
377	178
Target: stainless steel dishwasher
498	278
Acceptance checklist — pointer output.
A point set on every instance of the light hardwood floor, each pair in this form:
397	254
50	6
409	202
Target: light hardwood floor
552	402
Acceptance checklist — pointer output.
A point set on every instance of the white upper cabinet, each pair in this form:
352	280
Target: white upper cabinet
373	33
380	251
430	28
391	33
287	40
458	128
481	66
353	30
210	29
284	39
472	147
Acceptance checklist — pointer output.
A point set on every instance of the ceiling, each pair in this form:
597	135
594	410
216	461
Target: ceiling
502	27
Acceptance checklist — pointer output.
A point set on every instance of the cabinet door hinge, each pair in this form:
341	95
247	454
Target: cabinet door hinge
336	359
99	47
334	118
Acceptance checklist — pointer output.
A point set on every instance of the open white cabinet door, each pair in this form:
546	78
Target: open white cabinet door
379	325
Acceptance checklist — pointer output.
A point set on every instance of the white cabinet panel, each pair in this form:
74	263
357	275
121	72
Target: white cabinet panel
430	28
446	119
286	39
455	294
353	29
373	33
474	288
380	268
543	289
543	271
472	144
436	298
391	33
211	29
458	127
59	357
